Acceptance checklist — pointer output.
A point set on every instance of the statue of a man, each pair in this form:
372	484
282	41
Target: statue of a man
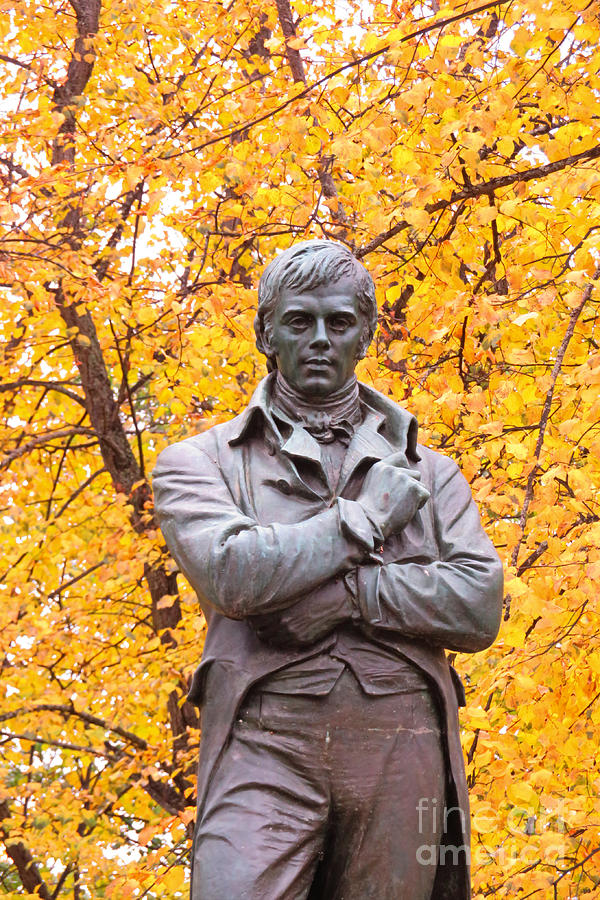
335	559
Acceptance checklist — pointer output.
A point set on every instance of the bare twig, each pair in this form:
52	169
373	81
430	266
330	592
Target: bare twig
79	491
485	187
49	385
60	745
570	330
41	439
80	714
74	580
353	64
23	860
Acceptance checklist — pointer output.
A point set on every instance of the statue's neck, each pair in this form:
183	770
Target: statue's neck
320	415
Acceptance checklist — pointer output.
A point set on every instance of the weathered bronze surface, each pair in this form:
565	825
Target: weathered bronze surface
335	560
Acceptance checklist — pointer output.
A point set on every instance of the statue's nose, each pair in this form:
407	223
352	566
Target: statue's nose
320	337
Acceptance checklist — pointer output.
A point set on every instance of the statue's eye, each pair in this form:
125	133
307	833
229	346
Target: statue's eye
340	323
298	322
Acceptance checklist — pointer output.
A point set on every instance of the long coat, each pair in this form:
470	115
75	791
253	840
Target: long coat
219	502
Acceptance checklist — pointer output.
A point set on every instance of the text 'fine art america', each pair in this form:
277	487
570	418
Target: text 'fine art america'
336	560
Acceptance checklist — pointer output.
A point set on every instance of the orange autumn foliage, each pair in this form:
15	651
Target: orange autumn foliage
153	157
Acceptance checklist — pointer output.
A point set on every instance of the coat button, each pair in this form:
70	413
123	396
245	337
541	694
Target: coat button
283	486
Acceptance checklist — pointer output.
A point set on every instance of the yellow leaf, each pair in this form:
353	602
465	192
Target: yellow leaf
485	215
522	794
417	217
397	350
312	144
520	320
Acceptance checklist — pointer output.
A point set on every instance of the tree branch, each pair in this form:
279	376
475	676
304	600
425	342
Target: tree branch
49	385
289	33
72	581
23	860
63	877
297	68
79	71
533	557
485	187
570	330
353	64
79	491
138	434
60	745
41	439
84	716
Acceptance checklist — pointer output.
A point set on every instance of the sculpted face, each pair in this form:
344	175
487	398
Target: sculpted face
315	336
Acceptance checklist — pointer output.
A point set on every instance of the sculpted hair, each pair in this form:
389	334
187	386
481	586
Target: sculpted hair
305	266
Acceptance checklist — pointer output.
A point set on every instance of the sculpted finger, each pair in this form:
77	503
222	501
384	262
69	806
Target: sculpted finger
265	630
424	495
396	459
261	635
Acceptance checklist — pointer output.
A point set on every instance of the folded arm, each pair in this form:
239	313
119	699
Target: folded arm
454	601
310	618
237	566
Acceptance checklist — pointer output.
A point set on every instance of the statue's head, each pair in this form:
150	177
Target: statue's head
315	272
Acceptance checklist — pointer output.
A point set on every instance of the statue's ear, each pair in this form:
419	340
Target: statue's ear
365	342
264	334
270	350
267	339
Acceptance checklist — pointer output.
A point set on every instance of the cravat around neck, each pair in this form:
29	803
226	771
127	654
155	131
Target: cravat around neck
331	418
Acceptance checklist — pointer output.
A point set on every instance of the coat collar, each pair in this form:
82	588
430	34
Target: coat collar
391	426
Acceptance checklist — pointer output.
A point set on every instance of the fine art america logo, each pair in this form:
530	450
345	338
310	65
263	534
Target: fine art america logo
435	819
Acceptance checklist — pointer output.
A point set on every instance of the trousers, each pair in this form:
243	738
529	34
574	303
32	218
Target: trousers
320	798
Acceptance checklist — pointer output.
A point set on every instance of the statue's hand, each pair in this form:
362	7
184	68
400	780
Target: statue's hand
391	494
307	620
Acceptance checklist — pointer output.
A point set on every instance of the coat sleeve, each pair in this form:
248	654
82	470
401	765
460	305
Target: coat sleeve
237	566
454	601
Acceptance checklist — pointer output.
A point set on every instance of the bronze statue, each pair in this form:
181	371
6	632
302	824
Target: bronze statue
335	559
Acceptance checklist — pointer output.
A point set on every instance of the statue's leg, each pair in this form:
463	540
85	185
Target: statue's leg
388	798
264	817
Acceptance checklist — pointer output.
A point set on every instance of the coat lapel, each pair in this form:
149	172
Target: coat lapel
367	445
